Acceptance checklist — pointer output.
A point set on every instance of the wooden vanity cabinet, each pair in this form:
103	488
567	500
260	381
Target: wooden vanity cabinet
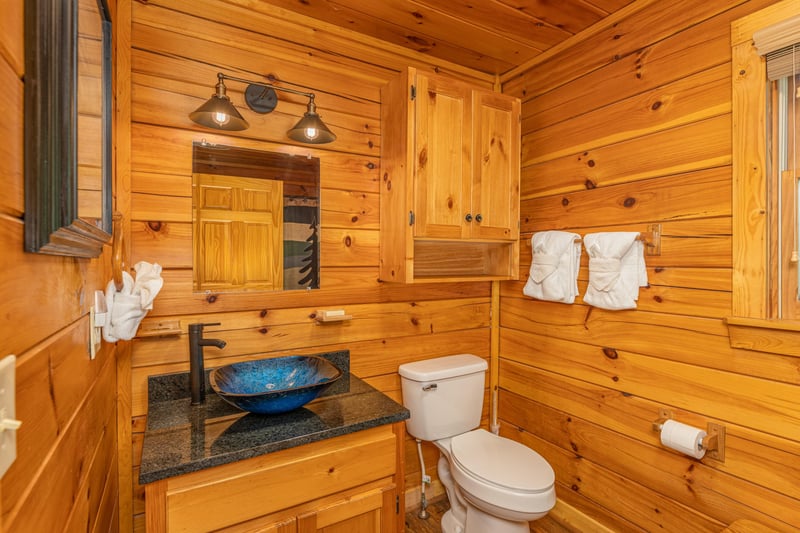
352	483
450	168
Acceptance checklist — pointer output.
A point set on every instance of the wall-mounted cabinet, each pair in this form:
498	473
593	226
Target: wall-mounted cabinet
450	165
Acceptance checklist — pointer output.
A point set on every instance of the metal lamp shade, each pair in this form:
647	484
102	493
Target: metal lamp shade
219	113
310	129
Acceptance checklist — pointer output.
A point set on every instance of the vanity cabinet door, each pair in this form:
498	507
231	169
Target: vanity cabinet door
373	511
282	526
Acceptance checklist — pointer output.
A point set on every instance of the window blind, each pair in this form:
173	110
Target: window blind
780	43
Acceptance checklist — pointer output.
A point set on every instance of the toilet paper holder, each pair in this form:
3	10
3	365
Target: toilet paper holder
713	443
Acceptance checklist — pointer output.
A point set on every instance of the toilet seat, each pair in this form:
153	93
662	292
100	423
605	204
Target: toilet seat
501	462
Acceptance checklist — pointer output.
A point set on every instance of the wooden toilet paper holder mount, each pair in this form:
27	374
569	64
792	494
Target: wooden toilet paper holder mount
713	443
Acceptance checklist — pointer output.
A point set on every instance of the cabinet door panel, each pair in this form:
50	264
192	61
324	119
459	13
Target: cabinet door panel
285	525
442	158
496	166
364	513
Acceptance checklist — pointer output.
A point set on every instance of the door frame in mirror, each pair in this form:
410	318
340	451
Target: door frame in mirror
52	221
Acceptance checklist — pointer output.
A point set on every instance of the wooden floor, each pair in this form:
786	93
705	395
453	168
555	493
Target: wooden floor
436	508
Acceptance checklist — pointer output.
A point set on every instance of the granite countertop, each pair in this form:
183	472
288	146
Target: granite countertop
181	438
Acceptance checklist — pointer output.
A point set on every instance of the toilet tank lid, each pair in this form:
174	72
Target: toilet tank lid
443	367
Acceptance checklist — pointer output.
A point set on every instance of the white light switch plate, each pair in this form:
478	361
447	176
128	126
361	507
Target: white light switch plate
8	412
95	334
97	319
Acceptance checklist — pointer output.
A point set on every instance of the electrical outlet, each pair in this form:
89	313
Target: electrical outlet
8	423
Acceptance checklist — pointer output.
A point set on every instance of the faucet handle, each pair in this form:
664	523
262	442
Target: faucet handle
200	326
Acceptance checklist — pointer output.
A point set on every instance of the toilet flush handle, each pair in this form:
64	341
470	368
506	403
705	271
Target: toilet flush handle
432	386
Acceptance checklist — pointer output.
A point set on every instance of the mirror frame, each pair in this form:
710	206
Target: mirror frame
52	222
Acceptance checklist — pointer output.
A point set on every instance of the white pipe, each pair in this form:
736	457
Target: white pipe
494	426
423	510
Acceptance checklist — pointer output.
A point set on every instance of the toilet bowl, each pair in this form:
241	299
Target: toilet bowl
502	484
494	484
510	477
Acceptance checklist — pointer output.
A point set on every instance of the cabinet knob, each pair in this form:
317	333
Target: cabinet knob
478	218
468	218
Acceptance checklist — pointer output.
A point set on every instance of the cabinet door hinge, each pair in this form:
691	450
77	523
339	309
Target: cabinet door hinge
411	218
413	92
397	505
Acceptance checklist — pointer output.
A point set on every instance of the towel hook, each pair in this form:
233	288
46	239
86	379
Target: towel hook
652	239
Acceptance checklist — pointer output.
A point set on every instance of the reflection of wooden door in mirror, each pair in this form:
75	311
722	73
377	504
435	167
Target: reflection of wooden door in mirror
238	233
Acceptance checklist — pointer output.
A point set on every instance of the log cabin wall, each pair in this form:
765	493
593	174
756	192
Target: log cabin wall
177	48
627	126
65	475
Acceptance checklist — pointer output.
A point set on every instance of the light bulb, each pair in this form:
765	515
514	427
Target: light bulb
221	118
311	133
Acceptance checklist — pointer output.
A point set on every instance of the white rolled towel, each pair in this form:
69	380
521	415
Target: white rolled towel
128	306
554	269
616	269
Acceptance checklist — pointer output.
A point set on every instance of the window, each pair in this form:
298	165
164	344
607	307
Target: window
765	203
782	144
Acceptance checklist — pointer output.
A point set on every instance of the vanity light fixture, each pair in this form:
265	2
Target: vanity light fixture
219	113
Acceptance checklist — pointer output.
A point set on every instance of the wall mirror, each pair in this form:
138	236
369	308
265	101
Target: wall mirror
255	220
67	127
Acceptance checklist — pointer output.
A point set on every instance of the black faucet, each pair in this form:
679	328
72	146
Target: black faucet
197	377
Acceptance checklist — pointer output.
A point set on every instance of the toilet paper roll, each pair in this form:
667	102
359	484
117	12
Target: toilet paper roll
683	438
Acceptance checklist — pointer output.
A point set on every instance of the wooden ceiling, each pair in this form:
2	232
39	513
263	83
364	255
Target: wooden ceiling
491	36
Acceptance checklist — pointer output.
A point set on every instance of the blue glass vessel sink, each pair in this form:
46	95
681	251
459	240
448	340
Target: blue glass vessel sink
272	386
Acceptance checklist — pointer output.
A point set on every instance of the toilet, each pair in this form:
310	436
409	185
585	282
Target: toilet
493	484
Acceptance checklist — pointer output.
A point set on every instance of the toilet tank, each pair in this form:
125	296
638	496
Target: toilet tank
444	395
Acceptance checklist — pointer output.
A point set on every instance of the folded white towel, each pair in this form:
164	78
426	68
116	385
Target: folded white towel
616	269
554	270
128	306
148	282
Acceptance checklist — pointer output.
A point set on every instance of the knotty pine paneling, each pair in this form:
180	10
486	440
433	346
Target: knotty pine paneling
697	195
688	339
176	50
631	127
327	40
649	68
762	404
378	338
11	131
695	97
645	27
696	146
12	53
65	473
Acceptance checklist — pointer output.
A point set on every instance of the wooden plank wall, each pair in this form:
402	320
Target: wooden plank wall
176	50
628	127
65	475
